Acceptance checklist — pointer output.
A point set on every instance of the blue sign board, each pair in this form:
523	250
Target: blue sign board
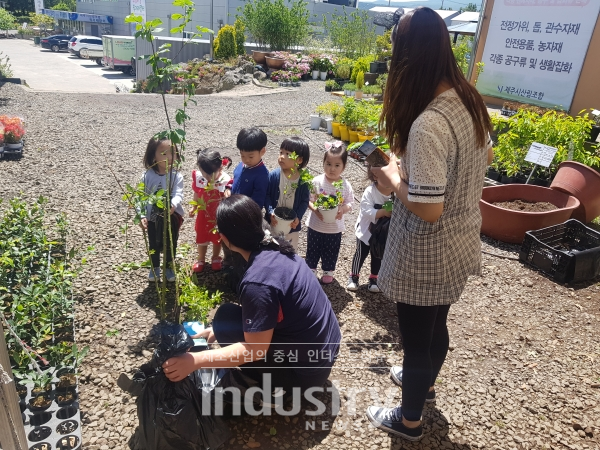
81	17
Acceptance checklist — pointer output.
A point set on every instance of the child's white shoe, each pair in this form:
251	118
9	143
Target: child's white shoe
352	283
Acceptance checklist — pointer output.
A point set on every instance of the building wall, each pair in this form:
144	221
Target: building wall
223	10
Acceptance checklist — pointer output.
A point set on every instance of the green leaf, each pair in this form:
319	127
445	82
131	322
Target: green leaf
176	30
204	29
154	23
176	16
183	3
132	18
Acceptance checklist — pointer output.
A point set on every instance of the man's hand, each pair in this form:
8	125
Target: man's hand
144	223
295	223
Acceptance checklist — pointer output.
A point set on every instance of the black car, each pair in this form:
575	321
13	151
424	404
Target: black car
56	43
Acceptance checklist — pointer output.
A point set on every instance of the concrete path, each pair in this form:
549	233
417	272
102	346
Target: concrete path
44	70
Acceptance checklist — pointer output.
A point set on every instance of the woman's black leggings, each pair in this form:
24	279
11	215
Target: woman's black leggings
425	341
227	328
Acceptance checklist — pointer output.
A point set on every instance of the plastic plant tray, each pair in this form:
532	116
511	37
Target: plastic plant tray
568	252
57	427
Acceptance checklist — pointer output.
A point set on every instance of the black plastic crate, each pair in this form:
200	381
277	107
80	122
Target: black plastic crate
568	252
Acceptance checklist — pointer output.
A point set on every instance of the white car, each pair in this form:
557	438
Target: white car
77	43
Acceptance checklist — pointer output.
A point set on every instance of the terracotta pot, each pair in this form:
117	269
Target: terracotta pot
344	133
274	63
510	226
358	94
582	182
335	129
259	57
353	135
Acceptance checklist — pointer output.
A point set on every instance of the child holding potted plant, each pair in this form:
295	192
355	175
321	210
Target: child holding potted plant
373	207
334	198
288	193
210	184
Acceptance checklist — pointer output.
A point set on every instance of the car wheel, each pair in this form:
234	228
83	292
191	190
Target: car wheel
131	71
99	61
55	48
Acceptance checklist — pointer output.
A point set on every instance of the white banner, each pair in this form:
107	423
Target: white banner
39	5
138	7
535	50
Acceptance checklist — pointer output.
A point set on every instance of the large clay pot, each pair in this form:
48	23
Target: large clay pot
274	63
510	226
582	182
259	57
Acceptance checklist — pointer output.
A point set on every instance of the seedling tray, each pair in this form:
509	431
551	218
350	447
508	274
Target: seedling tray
57	427
568	252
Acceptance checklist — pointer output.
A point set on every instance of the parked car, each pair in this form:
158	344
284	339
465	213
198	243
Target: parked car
78	42
56	43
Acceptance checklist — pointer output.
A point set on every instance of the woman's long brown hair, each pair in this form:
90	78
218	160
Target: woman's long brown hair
421	59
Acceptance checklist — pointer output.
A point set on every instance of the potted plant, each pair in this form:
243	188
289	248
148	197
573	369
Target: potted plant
360	82
343	70
346	116
316	66
315	121
66	375
328	204
284	215
329	111
325	67
13	132
347	88
295	80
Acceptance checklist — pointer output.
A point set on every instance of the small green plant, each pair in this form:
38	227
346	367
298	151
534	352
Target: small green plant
240	37
349	87
5	67
361	65
330	201
343	68
112	333
127	267
196	300
225	44
383	46
360	81
330	109
40	380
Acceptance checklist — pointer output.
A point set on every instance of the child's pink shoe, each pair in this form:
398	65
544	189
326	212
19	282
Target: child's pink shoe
327	277
216	264
198	266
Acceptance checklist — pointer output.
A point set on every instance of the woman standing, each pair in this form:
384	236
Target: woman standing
285	325
439	125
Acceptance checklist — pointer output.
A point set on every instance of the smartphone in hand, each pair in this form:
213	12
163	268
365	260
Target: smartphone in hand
374	155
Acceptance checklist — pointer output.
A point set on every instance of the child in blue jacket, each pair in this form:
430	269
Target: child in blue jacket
285	188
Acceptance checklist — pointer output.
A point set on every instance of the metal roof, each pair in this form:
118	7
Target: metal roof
467	16
464	28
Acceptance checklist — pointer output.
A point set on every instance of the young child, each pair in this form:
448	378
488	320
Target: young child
157	160
250	178
370	212
284	188
324	239
210	184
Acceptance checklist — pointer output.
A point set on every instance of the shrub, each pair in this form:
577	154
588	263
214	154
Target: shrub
225	46
275	25
239	36
361	65
383	46
353	34
7	20
360	81
462	51
5	70
343	68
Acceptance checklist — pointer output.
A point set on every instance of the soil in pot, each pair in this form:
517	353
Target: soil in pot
40	403
66	381
41	390
524	205
66	397
21	391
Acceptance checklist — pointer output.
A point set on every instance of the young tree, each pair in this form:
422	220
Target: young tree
7	20
353	34
472	7
65	5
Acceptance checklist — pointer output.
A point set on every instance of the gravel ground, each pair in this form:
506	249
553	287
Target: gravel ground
523	368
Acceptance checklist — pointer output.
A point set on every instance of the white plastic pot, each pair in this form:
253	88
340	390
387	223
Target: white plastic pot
315	121
346	92
329	121
17	146
315	74
323	76
283	225
329	215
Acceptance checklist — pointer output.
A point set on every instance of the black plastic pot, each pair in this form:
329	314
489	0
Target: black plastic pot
594	133
44	407
373	67
519	178
539	182
70	393
327	88
506	180
493	174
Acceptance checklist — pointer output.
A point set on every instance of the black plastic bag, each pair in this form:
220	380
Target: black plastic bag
379	232
170	413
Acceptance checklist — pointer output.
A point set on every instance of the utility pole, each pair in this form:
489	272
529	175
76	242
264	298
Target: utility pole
211	35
